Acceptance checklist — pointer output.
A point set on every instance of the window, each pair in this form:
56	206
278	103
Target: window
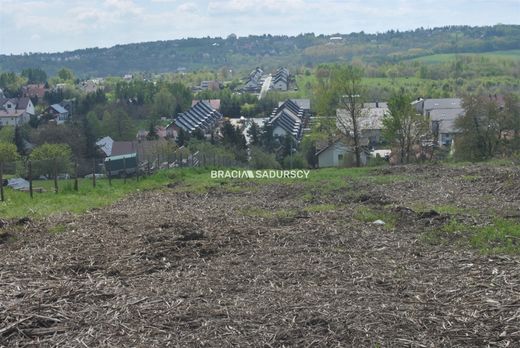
340	157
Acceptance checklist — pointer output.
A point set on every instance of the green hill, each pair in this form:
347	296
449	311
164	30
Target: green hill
272	51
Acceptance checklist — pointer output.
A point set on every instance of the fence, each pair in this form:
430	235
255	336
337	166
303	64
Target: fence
22	175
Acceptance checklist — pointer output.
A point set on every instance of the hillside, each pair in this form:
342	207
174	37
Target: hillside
269	51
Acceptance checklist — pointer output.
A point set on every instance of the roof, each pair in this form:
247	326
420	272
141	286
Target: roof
200	116
214	103
16	113
105	144
59	109
123	148
372	117
442	103
305	104
19	103
446	119
114	158
288	116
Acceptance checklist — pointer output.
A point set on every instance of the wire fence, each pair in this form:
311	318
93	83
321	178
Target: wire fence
36	176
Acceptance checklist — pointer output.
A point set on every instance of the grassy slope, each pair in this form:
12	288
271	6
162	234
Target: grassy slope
443	58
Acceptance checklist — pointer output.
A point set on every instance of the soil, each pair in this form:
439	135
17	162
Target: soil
169	268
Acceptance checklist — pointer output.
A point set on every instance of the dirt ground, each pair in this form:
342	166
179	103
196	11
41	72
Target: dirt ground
268	265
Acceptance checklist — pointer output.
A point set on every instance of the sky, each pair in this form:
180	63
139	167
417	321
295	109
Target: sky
65	25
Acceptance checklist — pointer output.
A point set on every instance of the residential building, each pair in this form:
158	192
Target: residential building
442	114
288	119
280	80
15	111
425	106
370	123
443	124
255	80
34	91
200	116
340	154
57	113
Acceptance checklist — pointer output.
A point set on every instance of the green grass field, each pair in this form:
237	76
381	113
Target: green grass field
443	58
19	204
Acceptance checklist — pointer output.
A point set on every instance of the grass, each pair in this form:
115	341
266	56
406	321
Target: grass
194	180
502	236
320	208
450	209
447	57
369	215
20	204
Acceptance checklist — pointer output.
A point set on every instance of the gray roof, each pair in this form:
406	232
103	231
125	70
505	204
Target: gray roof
446	119
59	109
288	116
202	115
443	103
372	117
106	145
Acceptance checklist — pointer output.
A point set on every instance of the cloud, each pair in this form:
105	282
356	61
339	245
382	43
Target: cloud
123	6
187	7
255	6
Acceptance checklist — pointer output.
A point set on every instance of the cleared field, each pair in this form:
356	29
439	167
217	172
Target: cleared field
275	263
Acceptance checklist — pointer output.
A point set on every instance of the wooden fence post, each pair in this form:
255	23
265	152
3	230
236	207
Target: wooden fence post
136	168
55	163
2	181
76	186
110	171
94	172
30	179
124	167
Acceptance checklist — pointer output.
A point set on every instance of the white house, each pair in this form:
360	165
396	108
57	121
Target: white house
339	154
15	111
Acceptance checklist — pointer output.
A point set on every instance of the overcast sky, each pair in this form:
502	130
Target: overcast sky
59	25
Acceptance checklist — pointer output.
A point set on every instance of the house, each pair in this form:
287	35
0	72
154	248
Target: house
288	119
69	105
200	116
443	124
255	80
210	85
280	80
58	113
34	91
91	86
370	123
442	114
15	111
425	106
339	153
214	103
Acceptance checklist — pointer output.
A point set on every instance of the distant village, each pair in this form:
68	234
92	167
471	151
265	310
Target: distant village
287	125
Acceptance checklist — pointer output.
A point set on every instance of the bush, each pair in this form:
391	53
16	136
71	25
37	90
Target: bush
263	160
296	162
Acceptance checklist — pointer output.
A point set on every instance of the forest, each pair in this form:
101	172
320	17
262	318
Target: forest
242	53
